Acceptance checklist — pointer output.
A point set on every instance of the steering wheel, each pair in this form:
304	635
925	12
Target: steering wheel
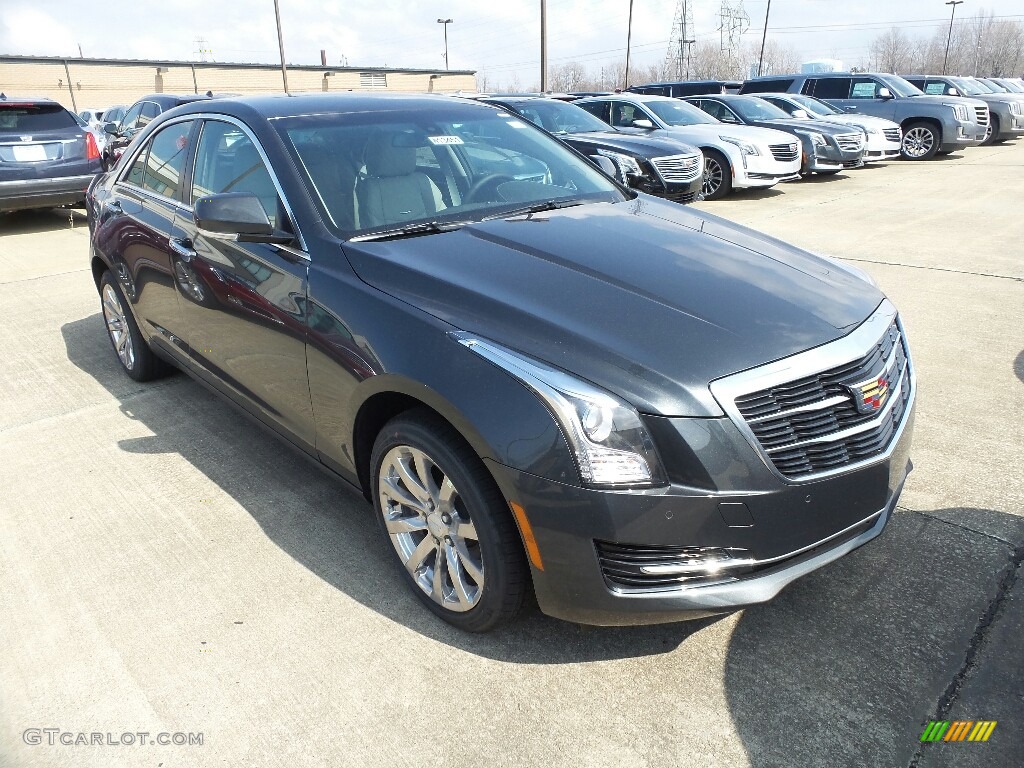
486	183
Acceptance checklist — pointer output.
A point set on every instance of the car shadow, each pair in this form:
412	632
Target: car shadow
309	515
755	194
1018	366
41	220
817	178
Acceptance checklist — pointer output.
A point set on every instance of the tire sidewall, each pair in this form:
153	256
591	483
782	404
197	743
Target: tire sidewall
139	346
935	142
436	440
726	186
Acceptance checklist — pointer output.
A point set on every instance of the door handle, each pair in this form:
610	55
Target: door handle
183	248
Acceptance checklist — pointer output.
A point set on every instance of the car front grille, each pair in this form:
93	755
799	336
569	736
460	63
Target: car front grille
814	424
850	142
893	134
982	113
678	168
785	153
634	566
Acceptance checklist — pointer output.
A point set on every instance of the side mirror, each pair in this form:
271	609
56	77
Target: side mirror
884	93
110	128
643	123
607	165
236	216
800	114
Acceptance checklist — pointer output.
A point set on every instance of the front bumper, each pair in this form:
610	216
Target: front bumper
20	194
763	171
880	148
677	192
791	529
830	158
967	134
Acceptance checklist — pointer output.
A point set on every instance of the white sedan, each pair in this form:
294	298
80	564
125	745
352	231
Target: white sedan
735	156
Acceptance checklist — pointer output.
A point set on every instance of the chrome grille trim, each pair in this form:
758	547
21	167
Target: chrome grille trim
850	141
982	113
678	168
851	350
785	153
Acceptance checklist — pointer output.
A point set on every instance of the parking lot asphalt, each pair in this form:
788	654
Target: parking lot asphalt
167	567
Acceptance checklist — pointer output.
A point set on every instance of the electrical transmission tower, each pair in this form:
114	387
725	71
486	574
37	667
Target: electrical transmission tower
734	21
201	51
677	60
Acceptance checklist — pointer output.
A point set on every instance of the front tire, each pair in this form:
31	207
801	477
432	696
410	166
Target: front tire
717	175
920	141
132	351
992	136
450	526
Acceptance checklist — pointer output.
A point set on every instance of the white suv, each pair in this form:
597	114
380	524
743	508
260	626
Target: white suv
735	156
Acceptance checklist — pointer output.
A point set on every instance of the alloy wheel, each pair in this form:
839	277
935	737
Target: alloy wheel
918	142
430	528
117	327
713	176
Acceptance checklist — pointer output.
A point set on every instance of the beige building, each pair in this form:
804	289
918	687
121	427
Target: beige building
98	83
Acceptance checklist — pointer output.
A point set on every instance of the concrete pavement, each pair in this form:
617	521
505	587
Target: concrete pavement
167	567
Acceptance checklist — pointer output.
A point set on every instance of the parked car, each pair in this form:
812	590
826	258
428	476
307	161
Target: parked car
735	156
683	88
931	124
658	166
1006	110
884	137
46	158
138	116
645	413
98	134
827	148
1011	86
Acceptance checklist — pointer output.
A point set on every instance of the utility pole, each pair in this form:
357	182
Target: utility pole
543	46
280	45
949	37
629	40
446	22
764	35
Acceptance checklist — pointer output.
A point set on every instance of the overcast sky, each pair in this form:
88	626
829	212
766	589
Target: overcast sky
499	38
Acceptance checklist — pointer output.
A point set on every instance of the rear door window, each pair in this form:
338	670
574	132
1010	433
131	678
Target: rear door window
166	159
864	88
830	88
131	118
149	111
34	118
597	108
934	88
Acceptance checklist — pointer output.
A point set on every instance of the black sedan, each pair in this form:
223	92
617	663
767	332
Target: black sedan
827	148
539	378
658	166
138	117
46	157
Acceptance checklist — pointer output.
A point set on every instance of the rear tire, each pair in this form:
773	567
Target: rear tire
456	544
717	175
131	350
921	141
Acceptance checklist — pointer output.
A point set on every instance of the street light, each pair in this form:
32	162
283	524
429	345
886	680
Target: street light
949	37
446	22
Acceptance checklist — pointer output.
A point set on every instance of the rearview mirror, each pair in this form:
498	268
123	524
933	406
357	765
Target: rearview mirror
800	114
642	123
884	93
236	216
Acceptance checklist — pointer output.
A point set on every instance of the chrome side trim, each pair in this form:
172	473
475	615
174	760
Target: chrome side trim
818	406
842	351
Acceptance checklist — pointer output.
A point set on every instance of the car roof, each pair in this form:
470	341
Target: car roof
26	100
631	96
282	105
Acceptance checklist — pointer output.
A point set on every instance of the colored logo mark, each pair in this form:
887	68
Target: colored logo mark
958	730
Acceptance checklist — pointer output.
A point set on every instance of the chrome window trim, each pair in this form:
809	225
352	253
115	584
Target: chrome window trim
842	351
208	116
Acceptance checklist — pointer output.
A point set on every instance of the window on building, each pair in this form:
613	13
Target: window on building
373	80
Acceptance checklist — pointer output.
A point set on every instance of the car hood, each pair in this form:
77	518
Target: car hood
645	298
936	99
704	131
797	124
638	145
865	120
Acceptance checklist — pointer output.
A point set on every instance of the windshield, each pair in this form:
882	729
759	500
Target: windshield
679	113
752	108
816	106
967	87
389	169
559	117
899	86
993	86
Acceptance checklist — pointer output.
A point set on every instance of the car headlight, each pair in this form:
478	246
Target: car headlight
611	445
1016	107
960	111
627	164
744	146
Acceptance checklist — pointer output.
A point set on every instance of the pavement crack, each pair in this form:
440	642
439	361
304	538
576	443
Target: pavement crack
935	269
977	642
961	526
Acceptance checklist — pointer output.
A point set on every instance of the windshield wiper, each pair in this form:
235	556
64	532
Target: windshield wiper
410	230
547	205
